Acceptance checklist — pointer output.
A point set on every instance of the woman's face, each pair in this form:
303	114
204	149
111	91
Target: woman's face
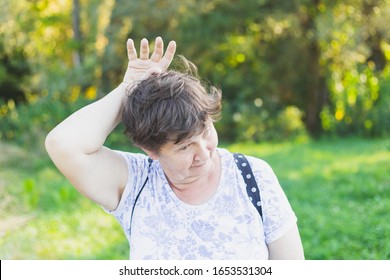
192	158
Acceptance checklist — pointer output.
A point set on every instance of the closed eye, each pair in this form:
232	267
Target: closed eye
185	147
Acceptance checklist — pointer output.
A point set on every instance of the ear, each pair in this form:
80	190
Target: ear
152	155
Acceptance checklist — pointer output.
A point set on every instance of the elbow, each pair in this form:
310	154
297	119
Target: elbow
50	143
54	145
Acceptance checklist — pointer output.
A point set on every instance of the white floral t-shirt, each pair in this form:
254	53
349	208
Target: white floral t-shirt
227	226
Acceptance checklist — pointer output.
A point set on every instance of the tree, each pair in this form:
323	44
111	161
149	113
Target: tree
77	35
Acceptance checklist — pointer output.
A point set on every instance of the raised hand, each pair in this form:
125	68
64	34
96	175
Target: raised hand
141	67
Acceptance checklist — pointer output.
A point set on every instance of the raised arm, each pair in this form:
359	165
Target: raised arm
76	144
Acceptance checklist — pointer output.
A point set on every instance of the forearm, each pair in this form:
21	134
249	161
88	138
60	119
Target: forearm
86	130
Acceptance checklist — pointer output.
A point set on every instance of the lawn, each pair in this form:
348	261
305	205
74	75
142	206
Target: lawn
339	189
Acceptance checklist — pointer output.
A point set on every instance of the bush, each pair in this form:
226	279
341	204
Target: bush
28	123
254	123
360	102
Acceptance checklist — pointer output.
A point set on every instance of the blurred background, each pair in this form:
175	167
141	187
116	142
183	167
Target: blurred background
306	86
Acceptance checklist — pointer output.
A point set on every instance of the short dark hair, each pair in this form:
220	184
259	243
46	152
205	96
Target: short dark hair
171	106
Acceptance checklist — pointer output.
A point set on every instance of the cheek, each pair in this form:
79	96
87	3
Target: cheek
183	162
214	140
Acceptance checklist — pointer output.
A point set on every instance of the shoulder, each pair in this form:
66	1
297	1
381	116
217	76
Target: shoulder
262	170
257	165
134	161
138	168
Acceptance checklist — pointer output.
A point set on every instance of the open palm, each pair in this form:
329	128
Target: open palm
143	66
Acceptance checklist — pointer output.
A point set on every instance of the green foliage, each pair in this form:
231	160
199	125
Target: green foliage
255	123
28	123
361	101
13	71
380	113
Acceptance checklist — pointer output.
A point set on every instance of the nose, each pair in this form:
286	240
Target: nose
203	151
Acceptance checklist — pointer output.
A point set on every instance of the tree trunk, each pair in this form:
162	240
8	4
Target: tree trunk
77	36
317	93
115	54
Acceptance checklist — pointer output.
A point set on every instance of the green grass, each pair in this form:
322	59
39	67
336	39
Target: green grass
339	189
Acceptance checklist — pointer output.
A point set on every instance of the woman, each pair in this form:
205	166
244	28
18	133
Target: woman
186	198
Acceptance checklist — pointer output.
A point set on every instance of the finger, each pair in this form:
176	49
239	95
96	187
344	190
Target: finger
131	51
158	50
144	49
168	56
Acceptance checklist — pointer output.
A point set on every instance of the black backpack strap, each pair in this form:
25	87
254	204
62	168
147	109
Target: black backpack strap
139	193
252	189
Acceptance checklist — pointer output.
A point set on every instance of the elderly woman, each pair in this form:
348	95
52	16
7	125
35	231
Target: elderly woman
185	198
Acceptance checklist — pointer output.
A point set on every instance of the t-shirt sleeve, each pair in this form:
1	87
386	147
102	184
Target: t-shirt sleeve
137	165
278	216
